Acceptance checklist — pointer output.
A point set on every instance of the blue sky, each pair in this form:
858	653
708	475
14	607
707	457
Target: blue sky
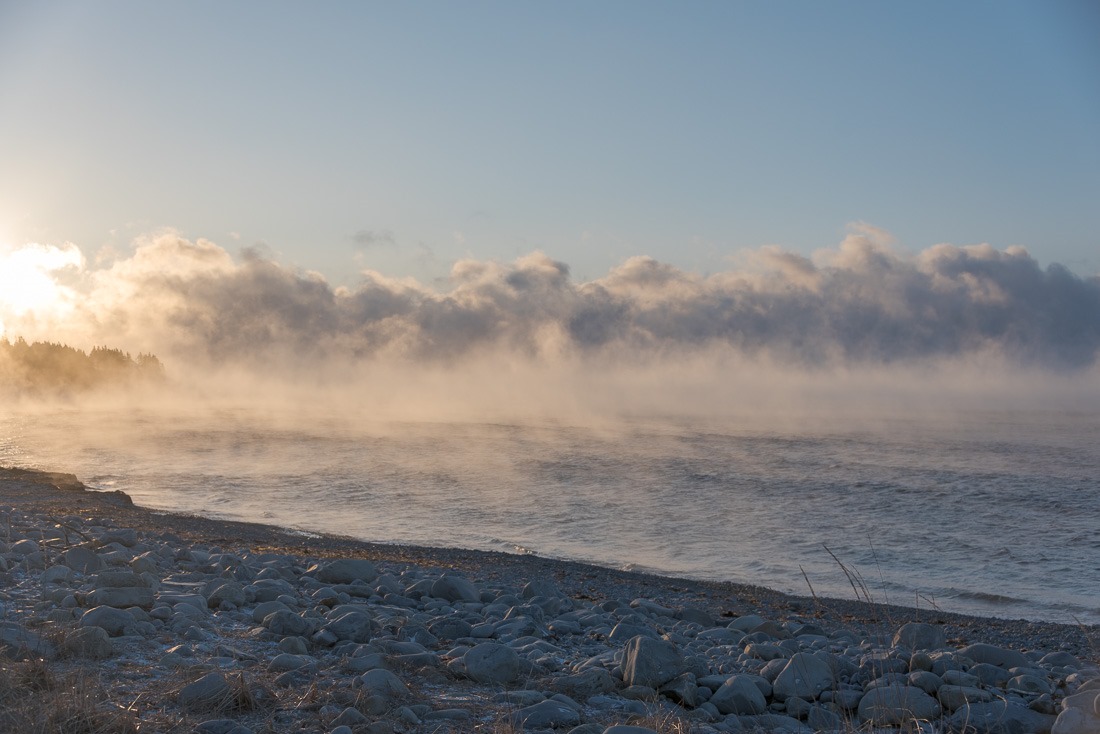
404	136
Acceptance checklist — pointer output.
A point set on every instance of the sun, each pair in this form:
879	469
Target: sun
28	282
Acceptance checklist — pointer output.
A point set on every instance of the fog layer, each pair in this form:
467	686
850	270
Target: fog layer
861	316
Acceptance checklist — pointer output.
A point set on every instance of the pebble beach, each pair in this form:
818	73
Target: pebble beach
117	618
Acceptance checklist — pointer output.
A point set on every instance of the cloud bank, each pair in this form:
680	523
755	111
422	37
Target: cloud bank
859	303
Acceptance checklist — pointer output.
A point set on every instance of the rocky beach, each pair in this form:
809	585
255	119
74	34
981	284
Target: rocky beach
116	618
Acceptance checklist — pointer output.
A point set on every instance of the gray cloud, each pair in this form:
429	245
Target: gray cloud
367	238
858	303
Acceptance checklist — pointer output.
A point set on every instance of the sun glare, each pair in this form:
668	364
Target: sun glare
28	282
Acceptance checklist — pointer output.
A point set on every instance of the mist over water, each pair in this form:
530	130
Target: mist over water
933	419
991	512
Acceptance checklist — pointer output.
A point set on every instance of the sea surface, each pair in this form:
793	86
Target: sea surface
994	513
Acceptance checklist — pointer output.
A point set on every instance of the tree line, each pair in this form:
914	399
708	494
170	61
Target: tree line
40	368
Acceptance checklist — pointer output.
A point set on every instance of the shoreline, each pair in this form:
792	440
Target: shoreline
57	488
170	622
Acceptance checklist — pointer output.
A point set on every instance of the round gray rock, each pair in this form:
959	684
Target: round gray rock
739	695
493	663
546	714
88	642
804	676
455	588
897	704
649	662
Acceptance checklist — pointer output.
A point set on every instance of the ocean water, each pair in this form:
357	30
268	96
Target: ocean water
995	513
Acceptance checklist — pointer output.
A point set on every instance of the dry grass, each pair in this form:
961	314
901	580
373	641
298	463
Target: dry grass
36	700
664	719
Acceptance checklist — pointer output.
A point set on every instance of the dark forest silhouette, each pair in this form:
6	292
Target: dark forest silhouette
44	368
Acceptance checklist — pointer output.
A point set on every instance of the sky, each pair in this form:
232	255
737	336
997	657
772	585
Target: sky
402	138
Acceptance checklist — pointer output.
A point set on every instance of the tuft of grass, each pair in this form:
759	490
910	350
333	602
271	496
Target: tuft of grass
664	719
35	700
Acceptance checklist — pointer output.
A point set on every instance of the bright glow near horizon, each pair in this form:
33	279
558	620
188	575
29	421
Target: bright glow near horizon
28	281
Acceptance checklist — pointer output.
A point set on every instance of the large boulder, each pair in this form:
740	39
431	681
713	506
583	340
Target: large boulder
652	663
383	683
82	560
355	626
223	591
455	588
286	623
739	695
88	642
493	663
804	676
992	655
897	704
545	715
115	622
210	692
1078	720
920	636
1000	717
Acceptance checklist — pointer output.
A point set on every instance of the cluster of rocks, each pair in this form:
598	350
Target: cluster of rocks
239	640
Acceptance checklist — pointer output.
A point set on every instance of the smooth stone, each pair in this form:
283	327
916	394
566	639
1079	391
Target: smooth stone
450	628
546	714
701	617
926	681
349	717
287	624
990	675
649	662
804	676
354	626
683	690
205	693
225	592
1028	684
953	698
959	678
897	704
739	695
1076	721
1060	660
88	642
19	643
268	607
999	717
381	682
455	588
920	636
115	622
999	656
82	560
493	663
628	729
